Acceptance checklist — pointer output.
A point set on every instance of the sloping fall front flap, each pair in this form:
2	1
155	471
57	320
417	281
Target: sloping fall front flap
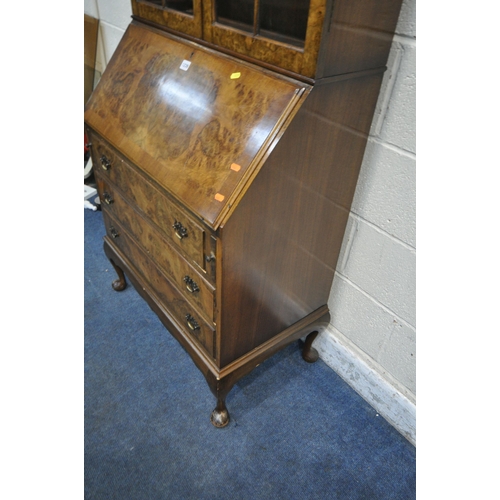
196	121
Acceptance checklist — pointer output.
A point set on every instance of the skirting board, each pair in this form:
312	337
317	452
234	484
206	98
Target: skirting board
387	400
88	192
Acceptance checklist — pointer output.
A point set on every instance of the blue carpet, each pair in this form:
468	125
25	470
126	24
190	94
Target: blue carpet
297	430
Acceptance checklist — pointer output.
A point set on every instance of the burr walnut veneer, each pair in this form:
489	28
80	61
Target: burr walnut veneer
226	160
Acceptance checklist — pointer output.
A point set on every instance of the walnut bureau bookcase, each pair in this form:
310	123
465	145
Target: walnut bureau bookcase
227	137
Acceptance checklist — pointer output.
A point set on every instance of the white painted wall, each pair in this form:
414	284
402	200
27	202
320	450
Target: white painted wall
371	341
114	17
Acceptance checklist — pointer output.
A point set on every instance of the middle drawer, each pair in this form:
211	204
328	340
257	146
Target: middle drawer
166	294
195	288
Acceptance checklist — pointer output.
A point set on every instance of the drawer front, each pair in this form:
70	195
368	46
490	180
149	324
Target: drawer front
190	322
188	280
178	227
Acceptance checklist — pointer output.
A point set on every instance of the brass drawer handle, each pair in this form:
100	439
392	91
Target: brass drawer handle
107	198
191	286
105	163
192	323
180	230
114	232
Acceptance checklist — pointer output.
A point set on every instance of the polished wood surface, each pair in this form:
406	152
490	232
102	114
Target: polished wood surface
226	187
150	199
220	381
195	131
188	23
342	36
189	280
165	291
281	244
358	36
272	241
296	59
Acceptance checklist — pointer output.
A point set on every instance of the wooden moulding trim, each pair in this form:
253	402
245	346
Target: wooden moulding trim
348	76
262	156
275	136
301	92
263	153
197	307
150	180
160	29
317	320
212	46
218	295
201	359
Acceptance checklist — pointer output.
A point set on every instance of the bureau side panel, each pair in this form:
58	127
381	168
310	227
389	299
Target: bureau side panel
281	244
357	36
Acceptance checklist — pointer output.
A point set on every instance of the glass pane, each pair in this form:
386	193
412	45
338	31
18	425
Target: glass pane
181	5
236	13
284	20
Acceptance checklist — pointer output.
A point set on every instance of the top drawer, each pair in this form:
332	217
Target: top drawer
174	223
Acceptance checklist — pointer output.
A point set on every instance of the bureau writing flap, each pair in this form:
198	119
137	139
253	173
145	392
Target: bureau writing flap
198	122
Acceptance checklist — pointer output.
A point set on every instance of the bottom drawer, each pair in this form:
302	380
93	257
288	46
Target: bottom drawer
192	323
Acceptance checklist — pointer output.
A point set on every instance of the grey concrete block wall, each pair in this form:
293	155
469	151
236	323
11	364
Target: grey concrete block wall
374	295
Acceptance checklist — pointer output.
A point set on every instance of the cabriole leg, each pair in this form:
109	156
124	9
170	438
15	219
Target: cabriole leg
309	353
119	284
220	389
220	415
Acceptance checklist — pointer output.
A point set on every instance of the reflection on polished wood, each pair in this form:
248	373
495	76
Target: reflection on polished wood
342	36
152	201
163	289
180	19
226	186
197	121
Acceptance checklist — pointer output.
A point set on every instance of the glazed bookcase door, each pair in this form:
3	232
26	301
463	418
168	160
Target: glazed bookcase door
282	33
184	16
